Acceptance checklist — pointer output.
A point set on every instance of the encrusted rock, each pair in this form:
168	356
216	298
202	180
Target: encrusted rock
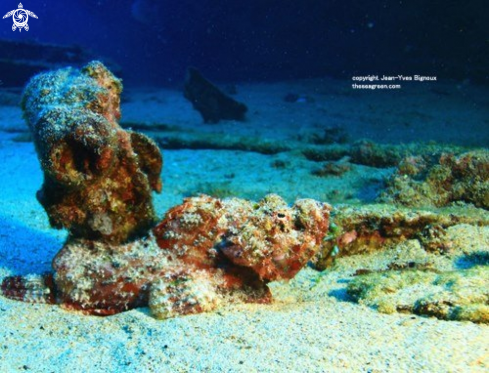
98	177
97	183
371	228
425	181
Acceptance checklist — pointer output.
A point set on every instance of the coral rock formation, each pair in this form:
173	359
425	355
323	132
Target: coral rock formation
422	181
426	262
372	228
98	177
454	295
98	180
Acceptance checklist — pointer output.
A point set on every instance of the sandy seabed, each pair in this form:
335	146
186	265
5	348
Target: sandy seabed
311	326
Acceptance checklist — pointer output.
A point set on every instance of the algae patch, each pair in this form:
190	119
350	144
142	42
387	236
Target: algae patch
455	295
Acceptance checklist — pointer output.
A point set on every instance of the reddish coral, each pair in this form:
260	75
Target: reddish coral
98	180
98	177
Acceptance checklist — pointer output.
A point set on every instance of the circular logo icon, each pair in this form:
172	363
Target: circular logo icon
20	18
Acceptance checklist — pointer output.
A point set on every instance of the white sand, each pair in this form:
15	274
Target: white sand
307	329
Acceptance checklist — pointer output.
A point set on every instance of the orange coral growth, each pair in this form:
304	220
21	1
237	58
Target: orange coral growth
98	180
97	177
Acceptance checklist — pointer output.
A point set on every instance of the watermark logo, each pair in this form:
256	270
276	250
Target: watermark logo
20	17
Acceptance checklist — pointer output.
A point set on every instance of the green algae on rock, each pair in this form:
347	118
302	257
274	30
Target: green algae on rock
98	177
423	181
369	153
456	295
378	227
411	276
429	262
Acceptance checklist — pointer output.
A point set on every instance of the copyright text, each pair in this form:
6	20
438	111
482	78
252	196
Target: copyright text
388	78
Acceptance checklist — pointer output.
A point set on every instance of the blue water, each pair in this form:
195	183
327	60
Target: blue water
155	41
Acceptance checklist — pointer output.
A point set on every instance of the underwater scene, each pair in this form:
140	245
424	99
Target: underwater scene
256	186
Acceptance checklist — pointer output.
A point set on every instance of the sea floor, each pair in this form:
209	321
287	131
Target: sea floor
313	326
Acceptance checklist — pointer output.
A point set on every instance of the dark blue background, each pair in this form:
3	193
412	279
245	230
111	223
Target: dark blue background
155	41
